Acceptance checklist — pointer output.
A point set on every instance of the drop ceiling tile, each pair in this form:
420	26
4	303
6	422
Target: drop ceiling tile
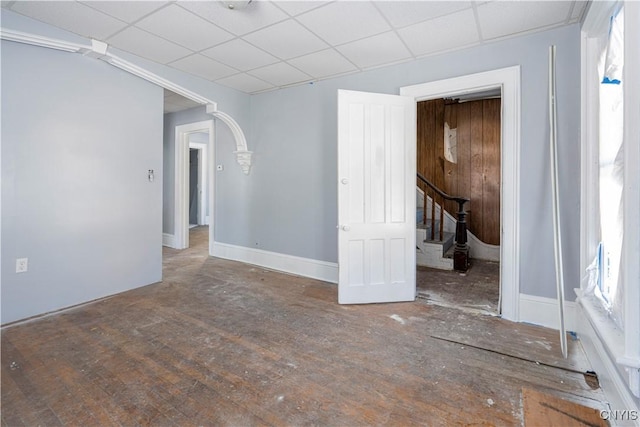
343	22
403	13
71	16
294	8
499	19
203	66
240	54
280	74
141	43
324	63
437	35
127	11
578	10
376	50
258	14
286	40
180	26
245	83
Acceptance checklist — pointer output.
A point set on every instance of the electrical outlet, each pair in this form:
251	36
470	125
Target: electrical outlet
22	264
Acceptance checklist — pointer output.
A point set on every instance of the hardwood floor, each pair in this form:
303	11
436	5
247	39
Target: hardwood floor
476	290
224	343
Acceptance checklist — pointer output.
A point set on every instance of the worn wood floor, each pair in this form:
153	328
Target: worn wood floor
223	343
477	290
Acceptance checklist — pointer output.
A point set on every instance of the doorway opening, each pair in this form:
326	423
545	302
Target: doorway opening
198	188
458	152
194	195
507	81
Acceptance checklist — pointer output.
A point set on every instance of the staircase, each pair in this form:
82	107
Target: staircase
435	247
434	253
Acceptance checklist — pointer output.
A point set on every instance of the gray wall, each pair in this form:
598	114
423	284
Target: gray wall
78	137
288	202
292	199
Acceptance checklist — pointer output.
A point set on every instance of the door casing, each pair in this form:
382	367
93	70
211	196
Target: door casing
181	185
508	80
203	165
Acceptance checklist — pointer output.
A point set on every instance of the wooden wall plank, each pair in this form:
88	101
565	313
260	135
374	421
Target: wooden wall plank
476	176
439	142
420	138
451	169
464	150
491	170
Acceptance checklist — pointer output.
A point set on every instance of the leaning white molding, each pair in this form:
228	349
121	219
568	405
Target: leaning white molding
312	268
99	50
243	155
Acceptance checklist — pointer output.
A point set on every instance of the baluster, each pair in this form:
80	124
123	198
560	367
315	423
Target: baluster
433	215
424	206
442	219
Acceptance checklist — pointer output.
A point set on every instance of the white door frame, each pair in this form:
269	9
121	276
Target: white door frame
181	188
508	79
202	180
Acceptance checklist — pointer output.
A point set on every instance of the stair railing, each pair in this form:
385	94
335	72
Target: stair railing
461	250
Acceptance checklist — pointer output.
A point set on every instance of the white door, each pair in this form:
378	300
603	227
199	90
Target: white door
376	198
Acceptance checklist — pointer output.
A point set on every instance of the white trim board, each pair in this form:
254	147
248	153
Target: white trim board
181	183
543	311
508	79
168	240
314	269
203	190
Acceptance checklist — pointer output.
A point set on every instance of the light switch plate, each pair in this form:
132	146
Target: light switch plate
22	264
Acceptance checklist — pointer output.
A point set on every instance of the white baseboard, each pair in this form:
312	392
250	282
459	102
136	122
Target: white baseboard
168	240
544	312
315	269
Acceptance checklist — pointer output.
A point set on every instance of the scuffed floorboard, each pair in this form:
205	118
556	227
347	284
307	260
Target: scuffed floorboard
225	343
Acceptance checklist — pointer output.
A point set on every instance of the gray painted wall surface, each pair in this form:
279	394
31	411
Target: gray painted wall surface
288	202
292	199
231	185
78	137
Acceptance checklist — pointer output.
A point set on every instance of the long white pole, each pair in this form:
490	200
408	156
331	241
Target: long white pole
557	234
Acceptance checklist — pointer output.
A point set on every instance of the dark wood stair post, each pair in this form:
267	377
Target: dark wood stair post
461	250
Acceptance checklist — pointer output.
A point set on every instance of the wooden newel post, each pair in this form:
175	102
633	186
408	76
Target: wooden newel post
461	250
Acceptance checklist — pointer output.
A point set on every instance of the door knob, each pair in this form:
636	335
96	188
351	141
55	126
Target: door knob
345	228
344	181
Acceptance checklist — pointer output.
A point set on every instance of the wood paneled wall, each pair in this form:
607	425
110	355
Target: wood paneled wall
476	174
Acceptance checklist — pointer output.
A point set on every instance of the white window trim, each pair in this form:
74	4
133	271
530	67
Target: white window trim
623	349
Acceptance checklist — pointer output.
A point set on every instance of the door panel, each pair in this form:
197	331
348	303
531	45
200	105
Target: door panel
376	200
